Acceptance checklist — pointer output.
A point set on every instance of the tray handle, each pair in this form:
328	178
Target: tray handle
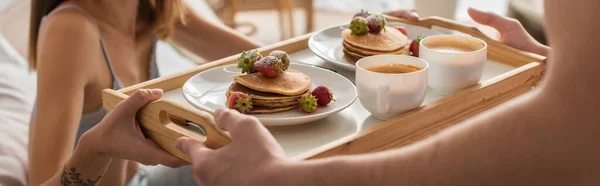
164	121
428	22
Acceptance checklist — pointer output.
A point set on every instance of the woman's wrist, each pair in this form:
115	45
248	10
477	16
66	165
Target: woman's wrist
89	144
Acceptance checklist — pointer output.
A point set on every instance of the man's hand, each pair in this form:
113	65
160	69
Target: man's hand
252	158
511	31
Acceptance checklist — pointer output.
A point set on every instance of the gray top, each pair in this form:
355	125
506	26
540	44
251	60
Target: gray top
89	120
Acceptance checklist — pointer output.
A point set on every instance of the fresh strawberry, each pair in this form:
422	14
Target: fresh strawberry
269	66
376	23
285	58
414	46
359	26
247	59
308	103
240	102
402	29
362	13
323	94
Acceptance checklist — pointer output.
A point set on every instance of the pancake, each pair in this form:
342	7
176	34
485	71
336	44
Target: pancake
263	99
388	40
266	110
367	52
289	83
353	57
237	87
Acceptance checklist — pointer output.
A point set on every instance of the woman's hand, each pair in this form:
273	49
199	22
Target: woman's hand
511	31
119	135
252	158
411	15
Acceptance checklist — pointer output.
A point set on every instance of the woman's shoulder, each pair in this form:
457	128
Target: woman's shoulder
69	22
68	40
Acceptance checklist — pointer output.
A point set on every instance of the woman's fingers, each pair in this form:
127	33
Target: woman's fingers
411	15
137	100
502	24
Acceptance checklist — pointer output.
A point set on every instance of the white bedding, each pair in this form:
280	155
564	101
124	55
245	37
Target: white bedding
17	90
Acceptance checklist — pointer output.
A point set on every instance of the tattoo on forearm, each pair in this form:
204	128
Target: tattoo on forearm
73	177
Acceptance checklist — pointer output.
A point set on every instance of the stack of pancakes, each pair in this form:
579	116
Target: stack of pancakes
272	95
390	41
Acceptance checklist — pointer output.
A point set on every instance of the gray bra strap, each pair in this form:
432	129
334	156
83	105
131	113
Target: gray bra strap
116	82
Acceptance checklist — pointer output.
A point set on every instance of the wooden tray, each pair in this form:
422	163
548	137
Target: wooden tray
165	120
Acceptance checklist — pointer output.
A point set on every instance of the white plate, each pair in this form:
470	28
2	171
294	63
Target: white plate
206	91
327	43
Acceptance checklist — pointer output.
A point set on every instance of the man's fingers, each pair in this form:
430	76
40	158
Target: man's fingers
226	119
137	100
193	148
153	154
411	15
163	157
502	24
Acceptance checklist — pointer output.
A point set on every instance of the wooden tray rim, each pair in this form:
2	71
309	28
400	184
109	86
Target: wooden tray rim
382	136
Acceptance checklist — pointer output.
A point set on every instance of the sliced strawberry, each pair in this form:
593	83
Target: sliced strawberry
308	103
240	101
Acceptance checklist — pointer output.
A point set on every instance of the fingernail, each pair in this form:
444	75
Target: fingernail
179	144
156	91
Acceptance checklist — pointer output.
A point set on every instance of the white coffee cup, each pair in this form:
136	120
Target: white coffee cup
386	95
442	8
450	69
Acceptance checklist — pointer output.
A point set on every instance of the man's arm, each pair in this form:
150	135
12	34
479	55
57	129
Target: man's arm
546	137
209	40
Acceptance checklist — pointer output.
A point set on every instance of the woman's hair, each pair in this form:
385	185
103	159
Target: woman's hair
162	14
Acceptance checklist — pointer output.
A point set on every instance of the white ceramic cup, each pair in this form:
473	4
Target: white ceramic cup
442	8
387	95
450	72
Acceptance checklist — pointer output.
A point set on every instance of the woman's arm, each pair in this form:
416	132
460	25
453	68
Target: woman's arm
117	135
64	51
85	166
209	40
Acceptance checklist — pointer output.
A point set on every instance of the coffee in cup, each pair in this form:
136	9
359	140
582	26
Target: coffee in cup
391	84
456	62
393	68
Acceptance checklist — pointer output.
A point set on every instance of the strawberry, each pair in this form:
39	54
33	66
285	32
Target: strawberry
285	58
414	46
376	23
362	13
402	29
359	26
247	59
240	102
269	66
308	103
323	95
